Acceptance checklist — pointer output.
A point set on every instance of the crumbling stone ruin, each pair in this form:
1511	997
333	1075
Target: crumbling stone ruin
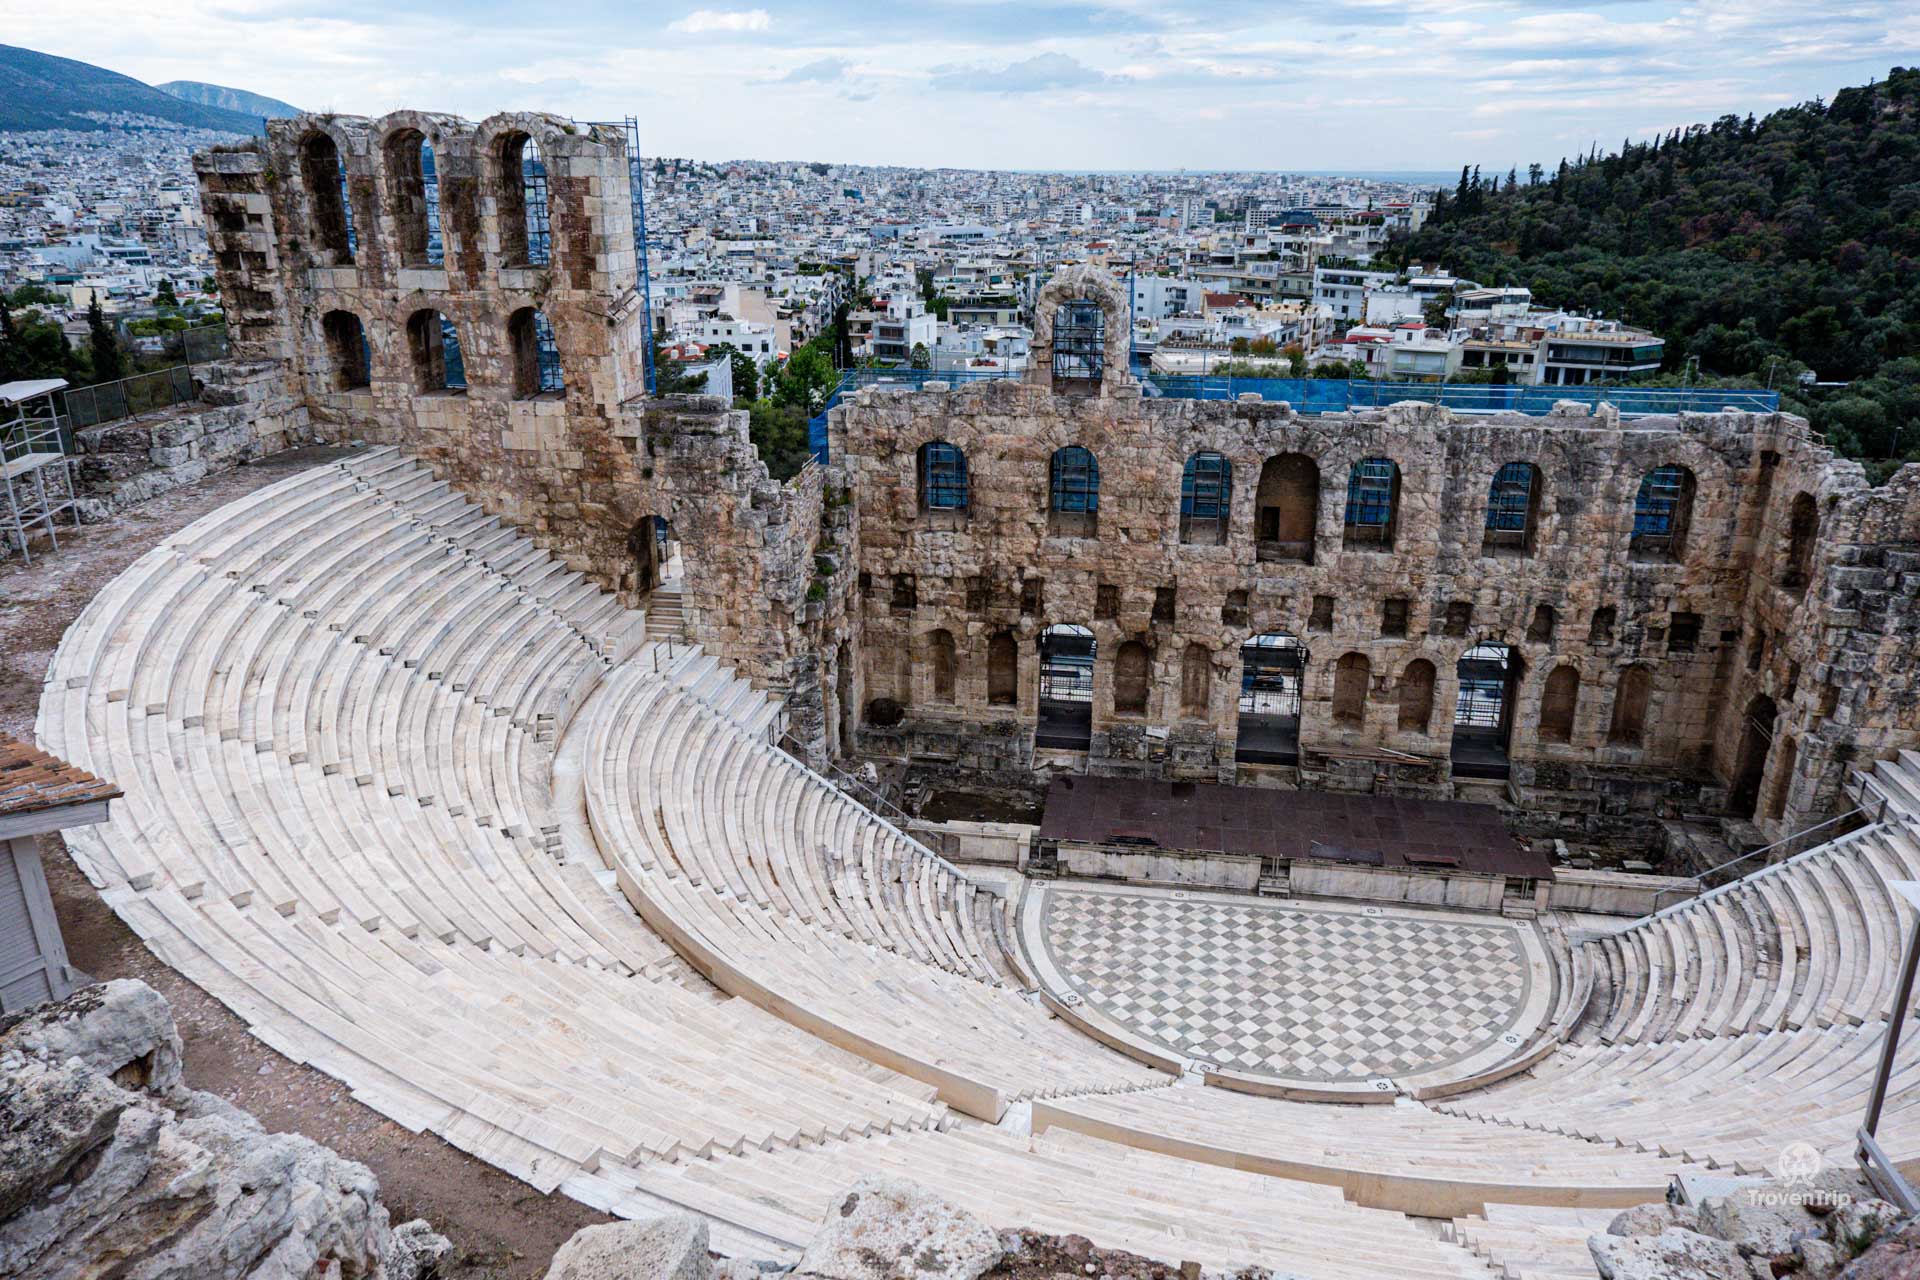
1701	614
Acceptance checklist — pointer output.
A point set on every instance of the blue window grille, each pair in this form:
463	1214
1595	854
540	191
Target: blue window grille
430	186
547	352
456	364
943	477
1076	480
1206	487
1370	494
1510	498
1656	506
533	178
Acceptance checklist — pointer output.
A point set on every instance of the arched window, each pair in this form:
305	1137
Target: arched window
1373	505
1558	703
1206	499
1350	677
434	348
943	477
1540	630
1286	508
536	357
1628	728
407	154
1079	341
1132	668
325	179
1416	696
526	235
1003	670
1513	511
1196	681
1803	530
1073	491
1662	510
352	363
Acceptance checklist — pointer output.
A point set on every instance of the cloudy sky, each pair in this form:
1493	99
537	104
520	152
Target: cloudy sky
1093	84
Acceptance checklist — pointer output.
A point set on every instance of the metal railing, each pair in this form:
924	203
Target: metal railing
1724	881
146	392
128	397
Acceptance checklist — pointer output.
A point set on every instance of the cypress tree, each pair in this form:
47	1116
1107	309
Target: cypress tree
108	364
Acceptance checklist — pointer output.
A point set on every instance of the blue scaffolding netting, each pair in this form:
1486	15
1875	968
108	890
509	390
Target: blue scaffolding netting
1339	395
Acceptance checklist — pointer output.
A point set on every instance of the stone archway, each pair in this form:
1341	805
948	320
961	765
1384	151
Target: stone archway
654	551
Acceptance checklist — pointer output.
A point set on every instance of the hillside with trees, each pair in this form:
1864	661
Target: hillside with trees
1760	249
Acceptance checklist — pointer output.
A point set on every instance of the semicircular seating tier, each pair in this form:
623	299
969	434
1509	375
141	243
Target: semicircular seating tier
1808	942
325	707
335	707
787	893
1748	1018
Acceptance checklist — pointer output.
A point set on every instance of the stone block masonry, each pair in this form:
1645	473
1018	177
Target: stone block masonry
1659	618
1696	613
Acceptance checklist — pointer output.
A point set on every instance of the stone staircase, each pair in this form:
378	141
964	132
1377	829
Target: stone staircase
1892	786
666	619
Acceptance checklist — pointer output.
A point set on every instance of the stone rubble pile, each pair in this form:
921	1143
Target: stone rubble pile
110	1165
1831	1227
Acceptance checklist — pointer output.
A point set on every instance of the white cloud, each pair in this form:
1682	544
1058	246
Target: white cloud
722	21
960	82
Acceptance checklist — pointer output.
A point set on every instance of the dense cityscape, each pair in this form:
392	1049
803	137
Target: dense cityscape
937	269
1136	705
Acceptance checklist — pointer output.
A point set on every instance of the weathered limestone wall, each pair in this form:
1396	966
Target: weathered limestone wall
1008	564
243	413
831	588
579	469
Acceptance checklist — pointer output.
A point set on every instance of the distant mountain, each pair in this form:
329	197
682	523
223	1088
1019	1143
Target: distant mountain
40	91
215	95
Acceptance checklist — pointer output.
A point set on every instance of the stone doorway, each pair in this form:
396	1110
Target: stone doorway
1756	742
1272	666
1065	720
1483	712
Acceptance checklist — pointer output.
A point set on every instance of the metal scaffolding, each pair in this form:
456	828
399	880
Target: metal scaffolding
35	468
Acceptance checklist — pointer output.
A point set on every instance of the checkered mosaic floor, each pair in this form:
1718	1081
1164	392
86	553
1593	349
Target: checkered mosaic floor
1286	989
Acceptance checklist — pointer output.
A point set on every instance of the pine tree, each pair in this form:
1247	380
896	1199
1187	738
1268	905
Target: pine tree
108	364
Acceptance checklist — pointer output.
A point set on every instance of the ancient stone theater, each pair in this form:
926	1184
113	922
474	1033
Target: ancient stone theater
542	769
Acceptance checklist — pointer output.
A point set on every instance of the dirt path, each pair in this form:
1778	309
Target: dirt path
502	1229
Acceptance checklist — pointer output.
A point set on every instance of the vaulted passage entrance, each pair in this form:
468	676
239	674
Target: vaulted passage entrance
1271	667
1066	689
1483	714
1756	740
